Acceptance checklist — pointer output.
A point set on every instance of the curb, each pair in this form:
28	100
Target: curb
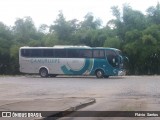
70	110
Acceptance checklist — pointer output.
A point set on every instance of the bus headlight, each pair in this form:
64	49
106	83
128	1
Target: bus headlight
121	72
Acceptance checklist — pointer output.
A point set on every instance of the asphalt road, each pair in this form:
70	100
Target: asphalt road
128	93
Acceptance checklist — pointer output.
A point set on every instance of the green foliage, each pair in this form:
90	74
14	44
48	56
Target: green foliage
62	28
14	62
112	42
149	40
24	30
154	14
90	23
50	40
5	43
133	19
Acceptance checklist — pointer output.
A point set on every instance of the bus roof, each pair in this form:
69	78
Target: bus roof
56	46
69	47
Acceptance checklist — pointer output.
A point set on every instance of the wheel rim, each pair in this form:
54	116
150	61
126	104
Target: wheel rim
99	74
43	73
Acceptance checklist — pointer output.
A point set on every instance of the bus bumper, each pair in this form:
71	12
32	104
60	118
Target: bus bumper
121	73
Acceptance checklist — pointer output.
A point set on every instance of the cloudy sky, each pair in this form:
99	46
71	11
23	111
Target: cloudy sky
46	11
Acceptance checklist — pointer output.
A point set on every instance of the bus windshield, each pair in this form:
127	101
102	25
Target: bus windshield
119	52
113	57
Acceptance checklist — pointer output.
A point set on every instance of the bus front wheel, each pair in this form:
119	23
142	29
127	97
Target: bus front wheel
99	73
43	72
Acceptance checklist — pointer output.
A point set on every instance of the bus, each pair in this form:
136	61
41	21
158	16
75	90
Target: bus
71	60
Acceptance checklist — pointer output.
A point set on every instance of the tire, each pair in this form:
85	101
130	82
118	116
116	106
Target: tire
43	72
99	73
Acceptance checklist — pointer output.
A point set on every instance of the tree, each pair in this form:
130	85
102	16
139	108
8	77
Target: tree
63	29
5	43
25	31
153	14
90	23
133	19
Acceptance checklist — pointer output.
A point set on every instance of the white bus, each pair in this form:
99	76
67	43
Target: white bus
71	60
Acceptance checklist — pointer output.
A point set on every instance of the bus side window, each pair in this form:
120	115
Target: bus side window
25	52
88	54
98	54
36	53
101	54
95	53
85	53
48	53
72	53
60	53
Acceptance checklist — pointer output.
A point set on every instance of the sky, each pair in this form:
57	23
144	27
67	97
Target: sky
46	11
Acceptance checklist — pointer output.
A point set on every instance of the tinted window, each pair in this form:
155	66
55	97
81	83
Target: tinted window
98	53
110	53
60	53
95	53
25	52
101	54
112	58
85	53
73	53
36	53
48	53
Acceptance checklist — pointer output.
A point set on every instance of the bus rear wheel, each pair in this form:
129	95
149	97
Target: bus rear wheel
99	73
43	72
